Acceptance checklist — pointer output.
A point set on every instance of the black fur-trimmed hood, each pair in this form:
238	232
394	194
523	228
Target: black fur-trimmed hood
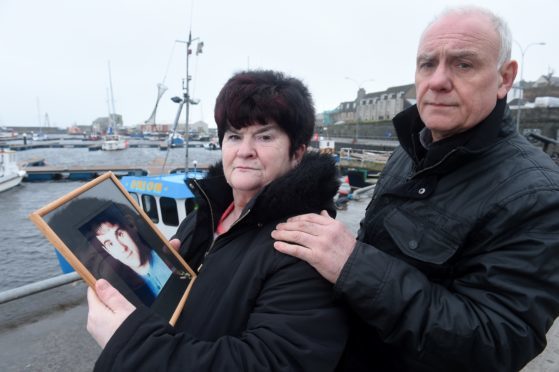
307	188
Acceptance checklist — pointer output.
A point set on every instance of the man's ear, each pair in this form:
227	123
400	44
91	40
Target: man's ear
507	74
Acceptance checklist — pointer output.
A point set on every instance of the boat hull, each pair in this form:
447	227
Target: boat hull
7	182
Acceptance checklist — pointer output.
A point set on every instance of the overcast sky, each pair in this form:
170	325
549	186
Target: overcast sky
54	53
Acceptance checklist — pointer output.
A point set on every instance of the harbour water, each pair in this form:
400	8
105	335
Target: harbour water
26	255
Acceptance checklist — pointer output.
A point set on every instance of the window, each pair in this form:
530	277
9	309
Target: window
150	207
169	212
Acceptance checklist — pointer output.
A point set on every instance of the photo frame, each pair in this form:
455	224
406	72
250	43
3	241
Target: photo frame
103	233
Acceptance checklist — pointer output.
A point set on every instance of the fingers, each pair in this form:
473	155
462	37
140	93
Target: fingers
294	250
175	244
321	219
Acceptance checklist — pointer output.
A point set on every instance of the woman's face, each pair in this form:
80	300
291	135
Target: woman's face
119	244
256	155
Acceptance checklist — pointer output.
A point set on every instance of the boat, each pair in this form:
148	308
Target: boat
6	133
175	140
113	142
39	136
166	199
10	174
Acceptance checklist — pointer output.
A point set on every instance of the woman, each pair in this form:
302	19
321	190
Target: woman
114	232
251	308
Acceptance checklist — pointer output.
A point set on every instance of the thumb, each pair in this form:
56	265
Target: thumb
324	213
108	294
175	243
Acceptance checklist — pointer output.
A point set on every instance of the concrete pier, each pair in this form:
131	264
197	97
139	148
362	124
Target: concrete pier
46	331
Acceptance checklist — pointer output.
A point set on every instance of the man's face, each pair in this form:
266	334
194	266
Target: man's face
119	244
457	79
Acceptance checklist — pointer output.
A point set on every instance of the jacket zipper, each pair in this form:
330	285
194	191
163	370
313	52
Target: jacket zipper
213	226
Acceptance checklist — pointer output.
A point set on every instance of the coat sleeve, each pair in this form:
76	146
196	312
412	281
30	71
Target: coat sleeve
294	326
493	314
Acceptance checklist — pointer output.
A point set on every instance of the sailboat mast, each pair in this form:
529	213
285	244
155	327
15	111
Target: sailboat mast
186	99
112	111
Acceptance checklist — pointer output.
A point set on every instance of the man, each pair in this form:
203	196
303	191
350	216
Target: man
456	264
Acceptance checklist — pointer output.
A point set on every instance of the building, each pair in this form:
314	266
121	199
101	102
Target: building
376	106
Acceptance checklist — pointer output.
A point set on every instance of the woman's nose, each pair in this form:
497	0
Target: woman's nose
246	147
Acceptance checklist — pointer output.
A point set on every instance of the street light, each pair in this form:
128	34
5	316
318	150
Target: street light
521	82
359	86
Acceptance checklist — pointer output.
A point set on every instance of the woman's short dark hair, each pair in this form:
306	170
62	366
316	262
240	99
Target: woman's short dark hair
259	96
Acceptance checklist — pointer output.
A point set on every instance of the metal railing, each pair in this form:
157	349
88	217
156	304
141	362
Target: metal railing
40	286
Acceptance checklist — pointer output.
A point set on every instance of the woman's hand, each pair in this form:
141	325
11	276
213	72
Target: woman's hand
175	243
107	311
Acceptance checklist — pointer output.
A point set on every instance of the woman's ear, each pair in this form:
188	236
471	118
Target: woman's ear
298	155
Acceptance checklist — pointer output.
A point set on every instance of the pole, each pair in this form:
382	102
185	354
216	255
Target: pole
521	82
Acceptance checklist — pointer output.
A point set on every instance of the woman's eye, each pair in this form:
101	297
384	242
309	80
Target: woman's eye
233	137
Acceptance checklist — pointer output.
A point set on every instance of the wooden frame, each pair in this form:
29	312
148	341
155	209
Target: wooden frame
103	233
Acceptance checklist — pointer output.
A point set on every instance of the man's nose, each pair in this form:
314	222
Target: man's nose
440	79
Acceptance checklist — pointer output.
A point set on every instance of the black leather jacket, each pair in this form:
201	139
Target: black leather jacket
457	261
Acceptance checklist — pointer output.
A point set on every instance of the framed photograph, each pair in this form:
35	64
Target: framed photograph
103	233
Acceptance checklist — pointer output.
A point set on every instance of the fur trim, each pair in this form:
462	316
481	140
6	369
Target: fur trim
309	187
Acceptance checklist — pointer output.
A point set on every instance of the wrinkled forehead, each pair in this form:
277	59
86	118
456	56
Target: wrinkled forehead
470	33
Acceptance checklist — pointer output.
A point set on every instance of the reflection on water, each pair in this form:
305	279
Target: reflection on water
25	254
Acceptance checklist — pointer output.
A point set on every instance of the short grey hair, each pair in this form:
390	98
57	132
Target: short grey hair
500	25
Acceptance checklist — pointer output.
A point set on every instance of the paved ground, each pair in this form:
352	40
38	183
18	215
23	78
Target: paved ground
46	332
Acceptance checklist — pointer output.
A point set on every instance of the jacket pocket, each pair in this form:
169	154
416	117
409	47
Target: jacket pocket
419	239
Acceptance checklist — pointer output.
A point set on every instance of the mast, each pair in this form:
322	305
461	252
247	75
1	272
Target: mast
187	101
112	111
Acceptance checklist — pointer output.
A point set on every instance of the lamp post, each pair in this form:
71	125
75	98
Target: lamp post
359	86
521	82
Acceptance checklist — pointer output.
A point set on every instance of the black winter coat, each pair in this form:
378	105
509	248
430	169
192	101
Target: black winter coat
457	262
251	308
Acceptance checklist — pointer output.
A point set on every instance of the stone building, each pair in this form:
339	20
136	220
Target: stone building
376	106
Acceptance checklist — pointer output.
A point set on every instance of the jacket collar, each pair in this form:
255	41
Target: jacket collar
436	157
307	188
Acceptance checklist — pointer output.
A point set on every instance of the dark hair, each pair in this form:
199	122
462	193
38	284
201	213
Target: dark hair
259	96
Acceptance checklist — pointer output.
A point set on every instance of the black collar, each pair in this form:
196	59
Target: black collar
408	125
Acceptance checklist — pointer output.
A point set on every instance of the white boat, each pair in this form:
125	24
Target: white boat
10	174
113	142
6	133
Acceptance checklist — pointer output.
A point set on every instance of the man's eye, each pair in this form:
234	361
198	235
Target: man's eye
464	66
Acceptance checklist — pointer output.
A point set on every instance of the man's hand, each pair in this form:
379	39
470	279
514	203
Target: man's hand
318	239
107	311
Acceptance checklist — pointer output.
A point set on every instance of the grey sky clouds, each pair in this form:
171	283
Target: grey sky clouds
56	51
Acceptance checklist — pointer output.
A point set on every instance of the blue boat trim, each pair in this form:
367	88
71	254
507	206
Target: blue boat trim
170	186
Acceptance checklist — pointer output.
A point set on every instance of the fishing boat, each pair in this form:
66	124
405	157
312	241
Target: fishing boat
10	174
167	198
